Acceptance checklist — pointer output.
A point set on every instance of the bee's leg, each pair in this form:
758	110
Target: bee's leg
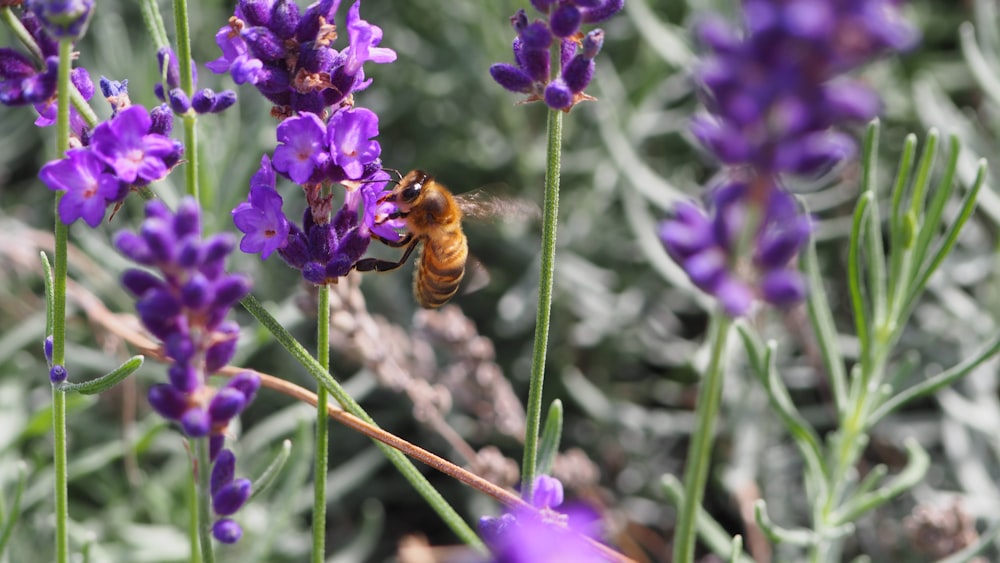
407	239
376	265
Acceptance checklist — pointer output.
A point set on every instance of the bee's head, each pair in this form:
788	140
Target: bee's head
410	188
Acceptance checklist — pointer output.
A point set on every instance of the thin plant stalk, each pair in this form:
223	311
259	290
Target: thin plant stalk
59	313
700	450
203	470
550	219
322	427
187	84
193	507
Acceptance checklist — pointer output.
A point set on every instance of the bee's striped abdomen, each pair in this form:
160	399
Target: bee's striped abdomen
440	269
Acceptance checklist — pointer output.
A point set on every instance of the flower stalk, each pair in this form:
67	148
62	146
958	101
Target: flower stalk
187	84
59	313
550	219
700	449
322	427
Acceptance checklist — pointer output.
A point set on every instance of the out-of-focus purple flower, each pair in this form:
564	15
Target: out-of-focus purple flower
772	104
86	183
543	535
289	55
774	96
713	249
48	109
531	73
21	83
185	306
62	18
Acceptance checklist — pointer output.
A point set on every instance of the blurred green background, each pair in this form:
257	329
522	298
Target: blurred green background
626	325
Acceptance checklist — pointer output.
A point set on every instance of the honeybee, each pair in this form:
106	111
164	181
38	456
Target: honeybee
434	218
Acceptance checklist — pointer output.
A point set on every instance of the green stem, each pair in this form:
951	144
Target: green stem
187	84
322	427
700	450
400	461
59	313
550	220
193	538
203	468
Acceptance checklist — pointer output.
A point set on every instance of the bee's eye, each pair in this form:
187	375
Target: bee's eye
410	192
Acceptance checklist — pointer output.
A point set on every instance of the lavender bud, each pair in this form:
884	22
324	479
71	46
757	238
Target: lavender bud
133	247
203	100
548	492
264	44
47	348
57	374
565	20
163	120
284	18
230	498
247	383
223	101
179	101
196	292
226	404
558	95
184	377
196	422
511	78
227	531
223	470
578	73
256	12
783	287
168	401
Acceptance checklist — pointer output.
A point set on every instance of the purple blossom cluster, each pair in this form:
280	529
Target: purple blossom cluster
323	140
205	100
288	55
130	149
775	94
542	535
532	75
185	306
705	247
63	18
25	81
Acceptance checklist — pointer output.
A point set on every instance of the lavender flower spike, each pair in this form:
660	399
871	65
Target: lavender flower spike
185	306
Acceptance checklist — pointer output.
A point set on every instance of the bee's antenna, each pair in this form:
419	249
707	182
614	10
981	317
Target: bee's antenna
398	175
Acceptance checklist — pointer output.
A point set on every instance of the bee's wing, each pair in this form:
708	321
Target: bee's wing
483	204
476	276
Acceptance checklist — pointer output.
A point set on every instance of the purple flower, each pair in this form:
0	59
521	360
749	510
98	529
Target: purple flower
543	535
364	40
289	55
21	83
709	247
260	218
62	18
531	74
126	145
772	105
303	147
350	135
86	184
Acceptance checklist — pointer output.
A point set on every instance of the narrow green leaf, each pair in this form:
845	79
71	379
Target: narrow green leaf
268	476
106	381
49	293
855	277
777	534
950	235
900	228
548	446
709	530
826	331
942	193
924	167
11	518
737	549
916	467
939	381
984	74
